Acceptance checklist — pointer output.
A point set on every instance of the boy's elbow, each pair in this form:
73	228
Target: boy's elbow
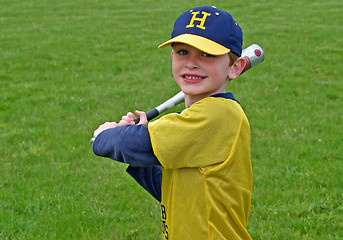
106	144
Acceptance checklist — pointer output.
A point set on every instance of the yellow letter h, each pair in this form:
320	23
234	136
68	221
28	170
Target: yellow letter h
202	20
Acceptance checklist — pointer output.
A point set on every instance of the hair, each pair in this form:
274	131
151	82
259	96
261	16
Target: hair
233	57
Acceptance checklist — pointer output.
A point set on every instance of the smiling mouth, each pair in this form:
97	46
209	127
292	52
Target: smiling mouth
192	79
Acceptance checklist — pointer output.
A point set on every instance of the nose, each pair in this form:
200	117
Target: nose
192	62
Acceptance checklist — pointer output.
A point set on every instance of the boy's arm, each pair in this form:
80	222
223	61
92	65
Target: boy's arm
128	144
150	178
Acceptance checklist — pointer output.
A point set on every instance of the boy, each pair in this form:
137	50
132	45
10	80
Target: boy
197	162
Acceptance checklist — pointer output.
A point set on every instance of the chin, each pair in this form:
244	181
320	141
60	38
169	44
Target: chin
196	94
191	92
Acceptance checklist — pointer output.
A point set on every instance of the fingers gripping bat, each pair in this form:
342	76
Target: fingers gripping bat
253	55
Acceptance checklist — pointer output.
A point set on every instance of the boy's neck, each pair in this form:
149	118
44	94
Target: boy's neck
191	99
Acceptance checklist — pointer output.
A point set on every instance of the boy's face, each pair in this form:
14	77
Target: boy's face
199	74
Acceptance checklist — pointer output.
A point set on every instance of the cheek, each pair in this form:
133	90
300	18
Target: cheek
218	71
175	73
175	68
222	66
223	70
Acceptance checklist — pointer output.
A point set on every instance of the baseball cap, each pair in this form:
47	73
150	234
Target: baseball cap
208	29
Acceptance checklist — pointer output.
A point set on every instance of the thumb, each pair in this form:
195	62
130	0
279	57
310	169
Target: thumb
142	118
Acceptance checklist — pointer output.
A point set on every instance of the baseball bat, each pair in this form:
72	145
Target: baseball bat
253	55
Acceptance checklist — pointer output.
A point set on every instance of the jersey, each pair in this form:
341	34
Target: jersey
206	170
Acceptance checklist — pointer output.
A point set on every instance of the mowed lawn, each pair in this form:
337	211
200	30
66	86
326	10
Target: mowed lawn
68	66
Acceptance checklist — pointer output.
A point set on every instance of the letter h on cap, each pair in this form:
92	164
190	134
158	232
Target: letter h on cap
202	20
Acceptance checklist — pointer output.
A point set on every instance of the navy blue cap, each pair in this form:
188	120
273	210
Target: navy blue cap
209	29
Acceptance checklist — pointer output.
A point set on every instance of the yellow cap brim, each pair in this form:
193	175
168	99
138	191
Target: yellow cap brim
201	43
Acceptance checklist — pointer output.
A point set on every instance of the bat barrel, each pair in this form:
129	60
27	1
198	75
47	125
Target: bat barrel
253	55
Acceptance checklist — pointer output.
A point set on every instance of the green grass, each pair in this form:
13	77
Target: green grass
68	66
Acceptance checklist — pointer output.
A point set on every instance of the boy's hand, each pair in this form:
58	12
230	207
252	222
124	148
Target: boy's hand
104	127
143	119
129	118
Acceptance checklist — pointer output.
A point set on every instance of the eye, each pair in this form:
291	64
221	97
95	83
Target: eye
207	55
182	52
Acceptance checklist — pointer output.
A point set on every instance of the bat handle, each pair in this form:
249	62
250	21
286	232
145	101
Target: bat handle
253	55
150	115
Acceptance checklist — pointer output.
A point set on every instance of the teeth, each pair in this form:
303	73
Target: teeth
193	78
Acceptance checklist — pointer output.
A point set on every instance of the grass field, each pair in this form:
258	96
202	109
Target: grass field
68	66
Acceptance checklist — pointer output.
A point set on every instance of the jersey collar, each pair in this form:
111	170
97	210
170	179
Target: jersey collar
227	95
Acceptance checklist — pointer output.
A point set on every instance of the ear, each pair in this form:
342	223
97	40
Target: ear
172	53
236	68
